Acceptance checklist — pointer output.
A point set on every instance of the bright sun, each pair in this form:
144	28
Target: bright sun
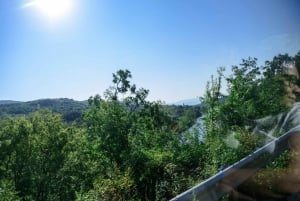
52	9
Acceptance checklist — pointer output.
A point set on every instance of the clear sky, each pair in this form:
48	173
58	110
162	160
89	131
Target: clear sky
171	47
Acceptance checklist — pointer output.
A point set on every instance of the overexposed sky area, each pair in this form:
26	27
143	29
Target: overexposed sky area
70	48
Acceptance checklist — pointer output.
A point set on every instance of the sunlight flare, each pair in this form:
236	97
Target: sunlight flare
52	9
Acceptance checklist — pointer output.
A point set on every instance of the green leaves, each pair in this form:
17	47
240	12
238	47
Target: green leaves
253	92
8	191
34	154
125	148
138	139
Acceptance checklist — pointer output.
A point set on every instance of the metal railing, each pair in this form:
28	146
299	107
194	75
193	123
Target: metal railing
213	188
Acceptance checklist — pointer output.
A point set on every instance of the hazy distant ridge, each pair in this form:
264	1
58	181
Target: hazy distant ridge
3	102
70	109
192	101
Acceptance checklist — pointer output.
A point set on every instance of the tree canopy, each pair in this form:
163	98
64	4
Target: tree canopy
128	148
252	92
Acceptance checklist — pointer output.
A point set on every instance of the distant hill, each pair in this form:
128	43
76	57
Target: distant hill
193	101
2	102
70	109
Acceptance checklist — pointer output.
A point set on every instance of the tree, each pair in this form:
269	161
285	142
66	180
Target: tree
138	140
253	92
33	155
126	148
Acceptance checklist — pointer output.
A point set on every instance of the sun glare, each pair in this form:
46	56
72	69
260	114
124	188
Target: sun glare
52	9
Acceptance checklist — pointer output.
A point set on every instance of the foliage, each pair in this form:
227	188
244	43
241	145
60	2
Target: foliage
253	92
8	191
139	140
125	147
32	154
69	109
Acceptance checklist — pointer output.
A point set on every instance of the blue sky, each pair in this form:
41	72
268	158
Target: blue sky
171	47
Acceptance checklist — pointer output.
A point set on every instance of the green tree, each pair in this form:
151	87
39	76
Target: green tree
253	92
33	155
140	145
8	191
108	125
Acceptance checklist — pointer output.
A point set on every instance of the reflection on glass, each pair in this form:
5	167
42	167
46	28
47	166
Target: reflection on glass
280	179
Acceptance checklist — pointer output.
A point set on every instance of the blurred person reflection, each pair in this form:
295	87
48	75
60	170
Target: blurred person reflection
280	183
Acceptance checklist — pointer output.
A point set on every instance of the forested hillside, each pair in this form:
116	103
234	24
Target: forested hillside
72	110
69	109
129	148
123	149
7	102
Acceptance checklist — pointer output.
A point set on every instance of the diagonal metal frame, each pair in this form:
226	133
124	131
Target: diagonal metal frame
213	188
